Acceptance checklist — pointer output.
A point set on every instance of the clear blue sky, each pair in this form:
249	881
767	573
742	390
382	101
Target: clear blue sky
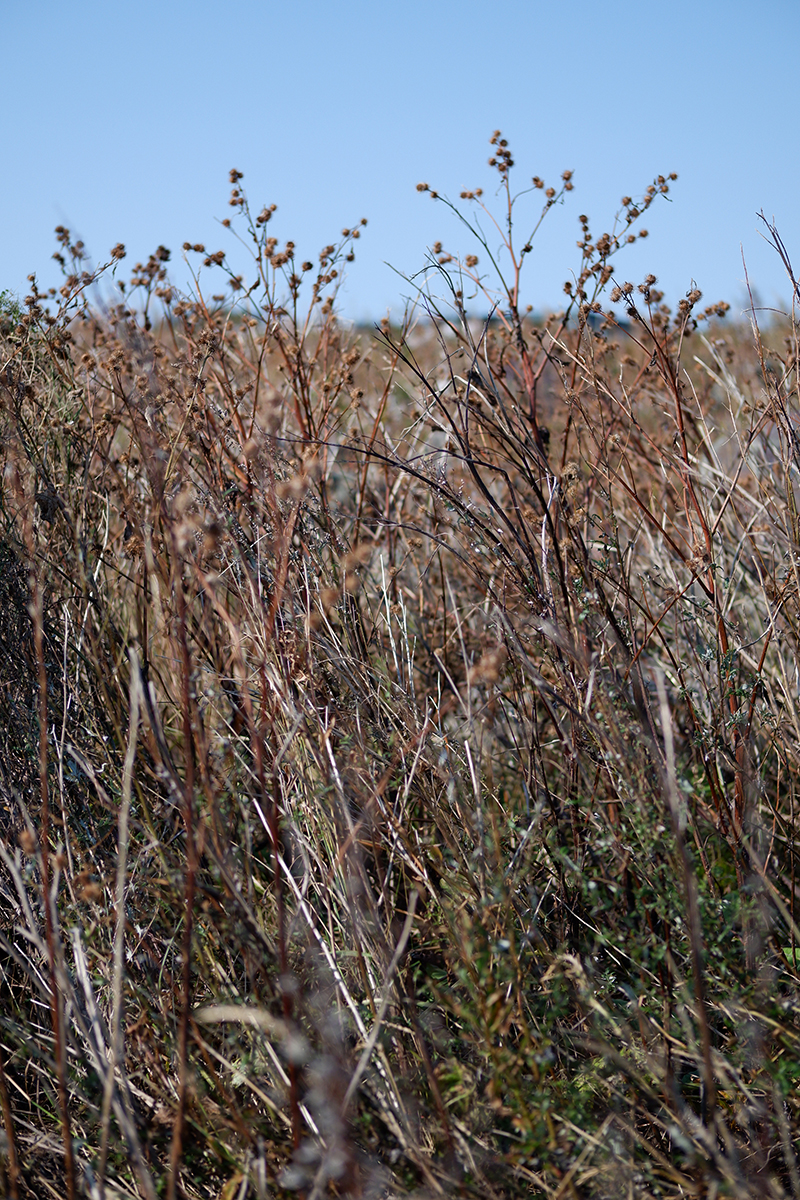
122	121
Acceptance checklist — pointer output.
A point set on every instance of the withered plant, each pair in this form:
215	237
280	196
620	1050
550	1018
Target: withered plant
399	731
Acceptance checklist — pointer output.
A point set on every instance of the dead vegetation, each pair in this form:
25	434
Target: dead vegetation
398	733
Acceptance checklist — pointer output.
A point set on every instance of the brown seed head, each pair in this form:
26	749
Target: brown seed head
28	842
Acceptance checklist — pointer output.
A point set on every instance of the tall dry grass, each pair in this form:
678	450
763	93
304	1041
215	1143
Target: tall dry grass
399	732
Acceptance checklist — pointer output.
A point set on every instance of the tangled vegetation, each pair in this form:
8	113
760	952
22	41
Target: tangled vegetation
399	730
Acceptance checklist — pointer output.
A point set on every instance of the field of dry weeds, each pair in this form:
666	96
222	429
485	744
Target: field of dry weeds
399	729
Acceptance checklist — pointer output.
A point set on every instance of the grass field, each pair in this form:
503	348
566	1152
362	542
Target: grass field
399	729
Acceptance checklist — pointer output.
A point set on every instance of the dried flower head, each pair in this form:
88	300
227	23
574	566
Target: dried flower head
28	842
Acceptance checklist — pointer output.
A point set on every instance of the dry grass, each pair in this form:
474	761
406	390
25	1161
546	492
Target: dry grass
399	734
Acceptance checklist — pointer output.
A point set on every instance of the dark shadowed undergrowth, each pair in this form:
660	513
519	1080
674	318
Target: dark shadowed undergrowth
399	731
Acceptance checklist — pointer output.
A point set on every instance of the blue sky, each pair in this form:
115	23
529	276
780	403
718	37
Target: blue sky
123	120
